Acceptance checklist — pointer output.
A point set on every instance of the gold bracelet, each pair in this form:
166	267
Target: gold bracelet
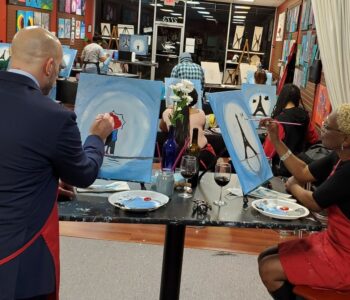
286	155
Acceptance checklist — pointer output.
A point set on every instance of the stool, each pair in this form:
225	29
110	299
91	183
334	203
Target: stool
309	293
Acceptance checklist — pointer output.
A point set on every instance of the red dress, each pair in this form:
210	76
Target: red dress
321	260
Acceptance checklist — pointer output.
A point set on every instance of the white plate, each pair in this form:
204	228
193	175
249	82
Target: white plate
138	200
280	209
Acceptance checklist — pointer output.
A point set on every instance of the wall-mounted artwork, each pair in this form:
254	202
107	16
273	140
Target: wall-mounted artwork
20	19
280	27
46	4
82	30
257	37
292	19
106	29
68	6
77	29
68	59
29	19
237	40
241	139
298	76
139	44
33	3
168	92
125	29
73	7
83	7
66	28
60	33
18	2
45	21
78	11
305	14
261	99
129	154
61	5
322	105
124	42
37	18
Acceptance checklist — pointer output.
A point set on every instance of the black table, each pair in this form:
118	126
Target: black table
176	215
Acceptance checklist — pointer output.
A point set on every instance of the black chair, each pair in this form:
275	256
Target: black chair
66	91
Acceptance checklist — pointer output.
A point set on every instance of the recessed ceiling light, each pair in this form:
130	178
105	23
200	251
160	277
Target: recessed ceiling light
158	4
242	7
211	20
193	2
198	7
176	14
240	12
239	17
204	12
166	10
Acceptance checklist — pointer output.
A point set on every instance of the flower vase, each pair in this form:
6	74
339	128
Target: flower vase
169	150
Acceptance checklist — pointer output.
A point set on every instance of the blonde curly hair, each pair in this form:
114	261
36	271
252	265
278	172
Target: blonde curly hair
343	118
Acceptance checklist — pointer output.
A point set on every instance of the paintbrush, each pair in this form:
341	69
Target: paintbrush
275	121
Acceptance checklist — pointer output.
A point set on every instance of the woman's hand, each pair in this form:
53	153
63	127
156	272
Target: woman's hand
272	128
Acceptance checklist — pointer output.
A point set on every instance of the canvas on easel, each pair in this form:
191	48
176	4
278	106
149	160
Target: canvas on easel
257	37
212	73
241	139
237	40
106	29
125	29
135	112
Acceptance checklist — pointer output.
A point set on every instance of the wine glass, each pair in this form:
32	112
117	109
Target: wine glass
188	168
222	177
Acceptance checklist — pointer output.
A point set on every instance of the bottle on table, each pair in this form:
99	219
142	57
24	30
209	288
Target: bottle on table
194	150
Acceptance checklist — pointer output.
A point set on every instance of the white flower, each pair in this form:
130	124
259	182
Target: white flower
188	85
178	109
175	98
189	99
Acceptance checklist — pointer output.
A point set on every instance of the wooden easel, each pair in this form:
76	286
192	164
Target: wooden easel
114	37
233	74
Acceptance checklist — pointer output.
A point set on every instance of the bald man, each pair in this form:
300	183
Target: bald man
40	144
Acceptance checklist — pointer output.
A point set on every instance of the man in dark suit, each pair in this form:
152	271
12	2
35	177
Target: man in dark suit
40	144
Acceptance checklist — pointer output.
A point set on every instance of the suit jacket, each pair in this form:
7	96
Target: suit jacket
40	143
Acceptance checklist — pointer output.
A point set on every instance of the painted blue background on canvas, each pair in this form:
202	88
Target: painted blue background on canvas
68	58
241	139
168	92
261	99
136	102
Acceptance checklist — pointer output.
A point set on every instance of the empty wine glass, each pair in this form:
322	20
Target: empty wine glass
188	168
222	177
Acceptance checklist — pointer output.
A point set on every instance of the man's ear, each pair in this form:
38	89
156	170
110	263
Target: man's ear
48	66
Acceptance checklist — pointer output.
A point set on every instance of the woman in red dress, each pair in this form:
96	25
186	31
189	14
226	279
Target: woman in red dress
321	260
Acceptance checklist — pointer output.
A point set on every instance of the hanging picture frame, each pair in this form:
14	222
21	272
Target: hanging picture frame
257	37
237	40
280	27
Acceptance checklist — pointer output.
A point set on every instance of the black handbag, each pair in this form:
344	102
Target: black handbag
315	69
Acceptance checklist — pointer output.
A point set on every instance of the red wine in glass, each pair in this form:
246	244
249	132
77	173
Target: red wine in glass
222	177
222	180
186	174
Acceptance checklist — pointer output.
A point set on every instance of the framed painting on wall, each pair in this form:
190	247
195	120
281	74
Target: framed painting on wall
322	105
20	19
280	27
257	37
237	40
129	155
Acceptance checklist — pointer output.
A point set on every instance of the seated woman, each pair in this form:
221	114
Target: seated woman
321	260
296	137
193	118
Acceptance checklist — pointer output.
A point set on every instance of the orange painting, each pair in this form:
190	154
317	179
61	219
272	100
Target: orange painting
322	105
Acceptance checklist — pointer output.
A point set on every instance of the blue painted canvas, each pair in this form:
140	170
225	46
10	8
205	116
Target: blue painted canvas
139	44
168	92
124	42
241	139
261	100
251	79
134	105
68	59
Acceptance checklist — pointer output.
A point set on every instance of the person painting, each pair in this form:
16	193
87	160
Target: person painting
40	145
321	260
260	76
296	137
92	55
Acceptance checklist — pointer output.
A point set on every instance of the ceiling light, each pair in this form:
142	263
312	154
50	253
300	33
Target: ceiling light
198	7
246	0
236	22
204	12
166	10
242	7
193	2
239	17
158	4
211	20
240	12
176	14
